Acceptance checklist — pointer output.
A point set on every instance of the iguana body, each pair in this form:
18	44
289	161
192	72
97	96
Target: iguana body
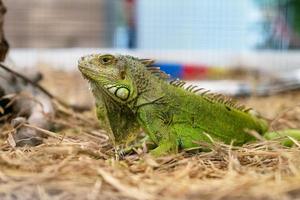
131	95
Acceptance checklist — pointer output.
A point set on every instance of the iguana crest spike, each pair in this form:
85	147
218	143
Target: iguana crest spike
213	97
147	62
157	72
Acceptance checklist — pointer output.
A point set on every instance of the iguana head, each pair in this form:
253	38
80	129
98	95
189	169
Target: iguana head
111	75
115	81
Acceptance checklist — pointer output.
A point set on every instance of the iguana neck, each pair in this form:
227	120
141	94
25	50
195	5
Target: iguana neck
149	87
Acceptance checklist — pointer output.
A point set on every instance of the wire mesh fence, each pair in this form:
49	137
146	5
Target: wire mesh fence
142	24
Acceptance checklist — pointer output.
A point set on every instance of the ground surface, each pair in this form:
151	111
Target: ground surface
78	162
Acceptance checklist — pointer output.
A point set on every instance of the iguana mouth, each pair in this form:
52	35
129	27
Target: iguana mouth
84	71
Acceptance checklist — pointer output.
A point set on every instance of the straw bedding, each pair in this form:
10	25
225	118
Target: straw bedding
77	160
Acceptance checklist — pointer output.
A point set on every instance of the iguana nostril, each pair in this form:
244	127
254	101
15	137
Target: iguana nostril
82	58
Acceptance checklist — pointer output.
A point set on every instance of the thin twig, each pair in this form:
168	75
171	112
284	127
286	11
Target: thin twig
27	80
46	132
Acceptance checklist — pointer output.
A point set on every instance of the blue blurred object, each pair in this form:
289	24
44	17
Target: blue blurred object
173	69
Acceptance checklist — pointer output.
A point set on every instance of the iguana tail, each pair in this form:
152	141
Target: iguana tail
289	136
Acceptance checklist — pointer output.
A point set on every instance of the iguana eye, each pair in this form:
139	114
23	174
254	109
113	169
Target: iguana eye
106	59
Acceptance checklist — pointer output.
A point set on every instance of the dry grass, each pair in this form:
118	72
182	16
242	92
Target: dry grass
79	163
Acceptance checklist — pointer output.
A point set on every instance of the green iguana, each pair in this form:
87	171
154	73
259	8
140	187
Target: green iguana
132	94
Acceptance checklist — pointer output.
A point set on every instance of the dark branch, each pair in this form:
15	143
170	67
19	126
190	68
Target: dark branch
32	83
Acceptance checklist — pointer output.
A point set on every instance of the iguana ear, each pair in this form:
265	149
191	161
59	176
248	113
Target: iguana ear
147	62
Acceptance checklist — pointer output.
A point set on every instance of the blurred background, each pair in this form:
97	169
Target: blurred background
141	24
191	39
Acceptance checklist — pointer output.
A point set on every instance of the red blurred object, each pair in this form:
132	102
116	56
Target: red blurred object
191	71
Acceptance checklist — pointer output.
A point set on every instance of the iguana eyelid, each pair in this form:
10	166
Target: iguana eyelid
106	59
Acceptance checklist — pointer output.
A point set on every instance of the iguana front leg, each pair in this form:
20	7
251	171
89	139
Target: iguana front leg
159	131
165	147
139	144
